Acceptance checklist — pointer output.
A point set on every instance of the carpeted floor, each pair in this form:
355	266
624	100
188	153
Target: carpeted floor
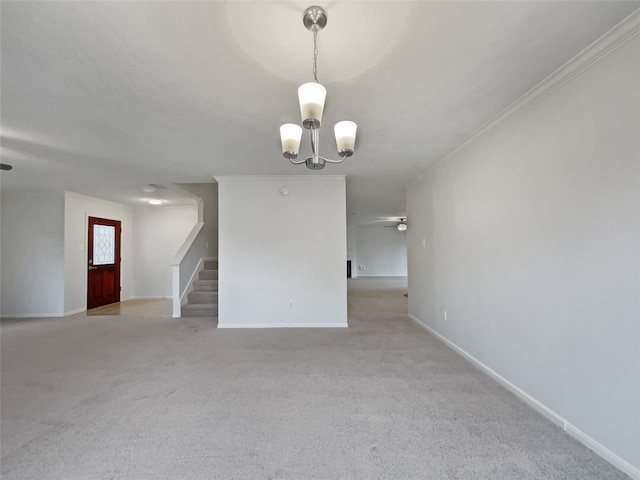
150	397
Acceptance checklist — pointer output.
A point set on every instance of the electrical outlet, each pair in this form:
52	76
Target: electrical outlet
444	315
291	304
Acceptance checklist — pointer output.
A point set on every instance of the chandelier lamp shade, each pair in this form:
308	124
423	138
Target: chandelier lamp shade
311	97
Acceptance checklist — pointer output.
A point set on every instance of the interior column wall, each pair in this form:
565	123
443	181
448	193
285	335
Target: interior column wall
282	251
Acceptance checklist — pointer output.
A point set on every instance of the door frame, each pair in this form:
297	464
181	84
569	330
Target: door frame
115	297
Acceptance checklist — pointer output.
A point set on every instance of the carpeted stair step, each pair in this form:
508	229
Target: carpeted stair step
208	274
205	285
202	301
200	310
211	264
202	297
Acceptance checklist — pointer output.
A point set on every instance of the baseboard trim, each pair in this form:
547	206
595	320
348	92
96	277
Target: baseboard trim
379	276
34	315
283	325
74	312
603	451
579	435
540	407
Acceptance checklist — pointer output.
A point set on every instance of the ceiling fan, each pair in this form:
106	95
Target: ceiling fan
402	226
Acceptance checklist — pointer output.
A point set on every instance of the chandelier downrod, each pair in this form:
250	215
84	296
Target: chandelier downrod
315	19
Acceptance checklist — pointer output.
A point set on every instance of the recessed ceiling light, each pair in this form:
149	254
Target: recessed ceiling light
149	189
5	166
154	201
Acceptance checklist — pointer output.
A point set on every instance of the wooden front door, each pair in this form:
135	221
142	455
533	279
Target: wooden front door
103	280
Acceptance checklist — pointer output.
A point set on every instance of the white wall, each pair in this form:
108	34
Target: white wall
351	249
532	247
380	251
275	248
49	230
77	209
32	253
208	193
158	233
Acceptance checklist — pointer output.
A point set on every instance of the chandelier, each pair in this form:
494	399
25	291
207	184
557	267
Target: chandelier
311	97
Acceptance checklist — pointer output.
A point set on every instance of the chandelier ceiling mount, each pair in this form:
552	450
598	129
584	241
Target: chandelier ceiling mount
314	18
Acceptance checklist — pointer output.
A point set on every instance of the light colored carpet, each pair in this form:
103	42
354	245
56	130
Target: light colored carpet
150	397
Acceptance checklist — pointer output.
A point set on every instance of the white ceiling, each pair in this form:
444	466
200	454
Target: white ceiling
102	98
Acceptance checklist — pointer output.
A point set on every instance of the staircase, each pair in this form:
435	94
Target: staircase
203	300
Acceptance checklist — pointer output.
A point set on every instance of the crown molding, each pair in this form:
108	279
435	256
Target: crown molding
596	51
279	178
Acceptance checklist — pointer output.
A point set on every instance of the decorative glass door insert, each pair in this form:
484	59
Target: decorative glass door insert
104	245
